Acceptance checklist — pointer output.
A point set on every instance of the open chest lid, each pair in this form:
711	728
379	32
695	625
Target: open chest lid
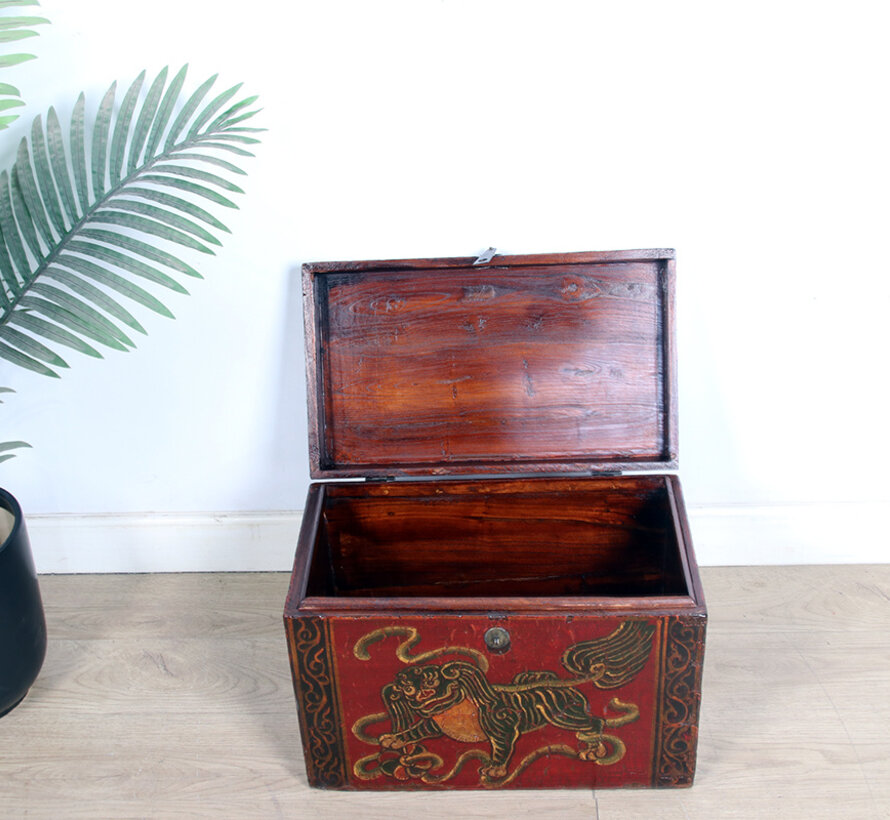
527	364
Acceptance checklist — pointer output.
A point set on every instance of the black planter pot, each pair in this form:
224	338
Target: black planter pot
22	626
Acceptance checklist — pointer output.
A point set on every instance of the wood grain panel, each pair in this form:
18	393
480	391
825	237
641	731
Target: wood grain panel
533	537
499	368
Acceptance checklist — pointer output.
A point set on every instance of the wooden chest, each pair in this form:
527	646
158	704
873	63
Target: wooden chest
496	605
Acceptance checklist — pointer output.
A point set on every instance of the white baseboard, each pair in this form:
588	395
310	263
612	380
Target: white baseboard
853	533
200	542
837	533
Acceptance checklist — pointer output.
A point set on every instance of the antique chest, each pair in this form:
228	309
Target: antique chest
495	604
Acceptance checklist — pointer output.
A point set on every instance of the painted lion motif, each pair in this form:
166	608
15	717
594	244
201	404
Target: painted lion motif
455	699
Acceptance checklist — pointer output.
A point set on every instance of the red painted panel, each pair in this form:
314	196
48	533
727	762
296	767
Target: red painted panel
527	718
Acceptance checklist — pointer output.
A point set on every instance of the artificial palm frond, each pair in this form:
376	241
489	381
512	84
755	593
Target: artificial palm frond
13	29
7	446
82	223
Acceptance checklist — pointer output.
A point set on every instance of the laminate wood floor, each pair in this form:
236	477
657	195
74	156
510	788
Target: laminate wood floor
170	696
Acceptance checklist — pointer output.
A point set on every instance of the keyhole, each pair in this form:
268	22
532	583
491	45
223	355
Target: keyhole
497	639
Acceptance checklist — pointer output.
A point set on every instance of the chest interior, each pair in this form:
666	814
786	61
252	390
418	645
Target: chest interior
526	538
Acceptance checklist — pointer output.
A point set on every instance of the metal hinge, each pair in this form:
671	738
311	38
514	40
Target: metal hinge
485	257
379	479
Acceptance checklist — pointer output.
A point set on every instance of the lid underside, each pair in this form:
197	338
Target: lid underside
528	364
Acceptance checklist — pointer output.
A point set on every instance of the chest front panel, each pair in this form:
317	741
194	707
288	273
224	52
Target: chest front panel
421	701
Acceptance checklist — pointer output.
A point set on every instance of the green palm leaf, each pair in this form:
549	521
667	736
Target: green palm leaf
6	447
82	221
14	28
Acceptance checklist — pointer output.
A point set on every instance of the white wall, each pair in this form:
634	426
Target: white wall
751	137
